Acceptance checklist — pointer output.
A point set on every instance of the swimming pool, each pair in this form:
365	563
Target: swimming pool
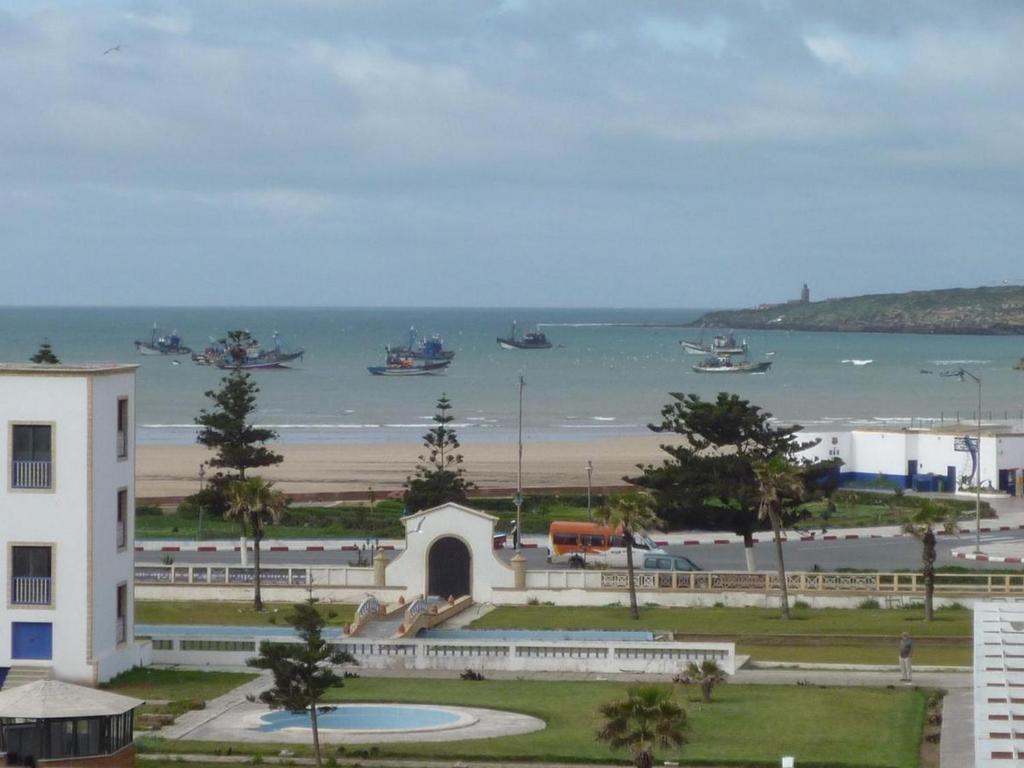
545	635
362	718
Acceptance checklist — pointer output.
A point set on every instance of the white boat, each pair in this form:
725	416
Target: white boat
725	364
720	345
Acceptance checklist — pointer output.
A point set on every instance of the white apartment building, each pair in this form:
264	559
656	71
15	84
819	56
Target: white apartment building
67	505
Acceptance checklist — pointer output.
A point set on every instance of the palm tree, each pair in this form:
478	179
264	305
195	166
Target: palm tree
632	512
707	675
646	718
778	479
921	526
254	503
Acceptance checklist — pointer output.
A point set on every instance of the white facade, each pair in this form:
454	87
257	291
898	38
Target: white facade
424	567
902	454
67	505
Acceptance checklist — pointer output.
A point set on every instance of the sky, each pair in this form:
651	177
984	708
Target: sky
506	152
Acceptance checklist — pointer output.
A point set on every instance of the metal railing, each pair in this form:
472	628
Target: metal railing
122	533
121	630
122	445
31	474
30	590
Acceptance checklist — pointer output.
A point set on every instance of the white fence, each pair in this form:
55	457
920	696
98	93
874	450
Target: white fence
601	656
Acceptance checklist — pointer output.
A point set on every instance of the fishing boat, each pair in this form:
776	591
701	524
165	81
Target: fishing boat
403	365
720	345
244	352
532	340
427	348
726	364
162	344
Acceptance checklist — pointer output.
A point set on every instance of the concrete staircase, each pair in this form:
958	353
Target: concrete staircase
24	675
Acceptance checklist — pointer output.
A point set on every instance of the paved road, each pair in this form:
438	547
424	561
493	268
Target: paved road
873	554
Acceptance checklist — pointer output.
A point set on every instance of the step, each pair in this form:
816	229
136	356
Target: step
24	675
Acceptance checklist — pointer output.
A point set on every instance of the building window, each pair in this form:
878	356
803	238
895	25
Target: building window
31	575
32	456
122	428
122	518
122	613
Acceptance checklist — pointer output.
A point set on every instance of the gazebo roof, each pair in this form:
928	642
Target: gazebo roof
47	699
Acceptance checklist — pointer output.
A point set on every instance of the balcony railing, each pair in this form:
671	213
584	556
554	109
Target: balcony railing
122	445
30	590
120	630
122	534
31	474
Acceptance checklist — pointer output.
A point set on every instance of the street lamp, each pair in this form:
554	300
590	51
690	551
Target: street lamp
962	373
590	475
518	500
202	475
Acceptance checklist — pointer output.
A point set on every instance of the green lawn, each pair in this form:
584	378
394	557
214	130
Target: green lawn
234	613
824	635
738	622
173	684
746	725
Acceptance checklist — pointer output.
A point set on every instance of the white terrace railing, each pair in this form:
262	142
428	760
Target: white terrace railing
30	590
292	576
31	474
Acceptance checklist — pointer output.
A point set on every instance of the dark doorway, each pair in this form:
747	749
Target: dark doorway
448	565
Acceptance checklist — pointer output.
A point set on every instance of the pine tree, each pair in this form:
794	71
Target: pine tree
45	354
302	671
439	476
226	428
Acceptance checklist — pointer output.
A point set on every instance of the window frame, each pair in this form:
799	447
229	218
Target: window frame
118	431
11	487
120	524
9	589
118	616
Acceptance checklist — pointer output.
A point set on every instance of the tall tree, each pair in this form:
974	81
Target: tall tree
708	479
302	671
45	354
779	479
254	504
439	476
227	428
921	525
647	718
632	513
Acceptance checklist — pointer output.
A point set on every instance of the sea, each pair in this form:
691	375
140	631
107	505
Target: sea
608	375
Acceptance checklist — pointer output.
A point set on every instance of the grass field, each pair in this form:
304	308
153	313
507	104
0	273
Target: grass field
172	684
745	725
825	635
233	613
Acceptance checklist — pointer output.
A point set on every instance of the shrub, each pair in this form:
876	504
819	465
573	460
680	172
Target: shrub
801	604
869	604
533	601
148	510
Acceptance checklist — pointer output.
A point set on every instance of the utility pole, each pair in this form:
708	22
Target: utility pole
590	475
202	475
961	373
519	472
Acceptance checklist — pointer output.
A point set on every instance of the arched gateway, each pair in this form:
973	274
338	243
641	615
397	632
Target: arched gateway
449	566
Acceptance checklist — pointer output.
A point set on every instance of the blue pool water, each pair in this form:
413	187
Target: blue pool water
365	717
548	635
222	631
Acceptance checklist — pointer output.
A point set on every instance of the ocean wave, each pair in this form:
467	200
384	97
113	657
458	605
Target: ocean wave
959	362
603	418
594	426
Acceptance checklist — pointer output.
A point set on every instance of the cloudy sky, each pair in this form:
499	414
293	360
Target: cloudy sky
506	152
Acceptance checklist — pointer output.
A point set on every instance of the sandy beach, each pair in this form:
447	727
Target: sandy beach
172	470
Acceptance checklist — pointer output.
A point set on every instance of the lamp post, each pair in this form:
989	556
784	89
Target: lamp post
202	475
962	373
590	475
518	501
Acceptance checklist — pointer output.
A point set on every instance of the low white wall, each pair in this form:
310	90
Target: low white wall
242	593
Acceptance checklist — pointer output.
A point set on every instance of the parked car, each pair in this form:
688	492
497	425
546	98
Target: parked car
659	562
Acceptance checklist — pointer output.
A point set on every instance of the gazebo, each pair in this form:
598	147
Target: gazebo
58	724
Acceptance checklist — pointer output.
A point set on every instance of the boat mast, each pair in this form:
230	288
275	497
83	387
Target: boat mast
519	472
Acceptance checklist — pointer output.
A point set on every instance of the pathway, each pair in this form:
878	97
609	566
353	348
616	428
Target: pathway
195	718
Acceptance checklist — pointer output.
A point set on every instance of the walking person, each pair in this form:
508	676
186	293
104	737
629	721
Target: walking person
906	650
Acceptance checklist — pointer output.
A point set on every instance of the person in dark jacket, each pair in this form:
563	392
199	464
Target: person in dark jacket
906	649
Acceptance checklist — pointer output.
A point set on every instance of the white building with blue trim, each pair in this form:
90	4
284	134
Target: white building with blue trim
935	459
67	508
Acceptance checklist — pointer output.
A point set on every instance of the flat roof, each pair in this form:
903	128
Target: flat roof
65	369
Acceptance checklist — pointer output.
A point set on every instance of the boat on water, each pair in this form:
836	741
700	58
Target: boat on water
720	345
248	355
726	364
161	343
426	348
531	340
397	364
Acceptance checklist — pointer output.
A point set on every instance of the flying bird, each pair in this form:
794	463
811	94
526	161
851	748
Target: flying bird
112	49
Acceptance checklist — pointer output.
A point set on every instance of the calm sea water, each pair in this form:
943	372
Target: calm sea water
600	380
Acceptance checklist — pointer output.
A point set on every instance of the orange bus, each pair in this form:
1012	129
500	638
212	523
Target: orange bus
582	543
